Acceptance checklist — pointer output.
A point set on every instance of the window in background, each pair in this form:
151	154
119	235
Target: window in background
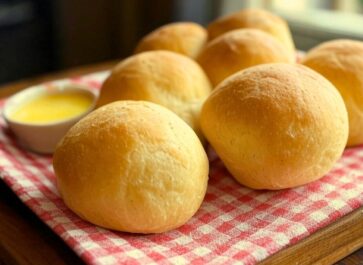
201	11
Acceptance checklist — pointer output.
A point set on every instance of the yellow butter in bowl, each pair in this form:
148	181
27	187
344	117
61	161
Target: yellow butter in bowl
53	107
40	116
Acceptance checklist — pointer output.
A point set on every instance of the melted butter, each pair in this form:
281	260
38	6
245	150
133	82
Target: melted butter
52	107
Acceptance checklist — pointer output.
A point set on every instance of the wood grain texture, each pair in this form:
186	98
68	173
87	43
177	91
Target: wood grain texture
327	245
24	239
355	258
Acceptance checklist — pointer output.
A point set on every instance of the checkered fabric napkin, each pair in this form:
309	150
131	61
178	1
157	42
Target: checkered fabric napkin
234	223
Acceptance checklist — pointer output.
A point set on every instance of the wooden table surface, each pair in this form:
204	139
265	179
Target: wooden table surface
24	239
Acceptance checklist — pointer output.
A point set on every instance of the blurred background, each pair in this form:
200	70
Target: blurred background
40	36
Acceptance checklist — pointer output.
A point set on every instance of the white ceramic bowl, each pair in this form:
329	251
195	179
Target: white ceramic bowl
43	138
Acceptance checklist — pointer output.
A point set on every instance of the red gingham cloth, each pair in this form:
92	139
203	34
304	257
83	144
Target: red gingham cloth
234	223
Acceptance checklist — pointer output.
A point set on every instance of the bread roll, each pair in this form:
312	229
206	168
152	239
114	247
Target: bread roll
239	49
132	166
276	126
186	38
256	19
166	78
341	62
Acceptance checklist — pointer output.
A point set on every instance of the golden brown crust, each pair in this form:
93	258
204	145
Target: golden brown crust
186	38
166	78
253	18
240	49
276	125
341	62
132	166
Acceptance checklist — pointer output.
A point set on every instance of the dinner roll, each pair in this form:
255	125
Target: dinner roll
186	38
166	78
239	49
257	19
132	166
276	126
341	62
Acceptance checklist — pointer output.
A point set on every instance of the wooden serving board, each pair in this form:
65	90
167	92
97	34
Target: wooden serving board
22	235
